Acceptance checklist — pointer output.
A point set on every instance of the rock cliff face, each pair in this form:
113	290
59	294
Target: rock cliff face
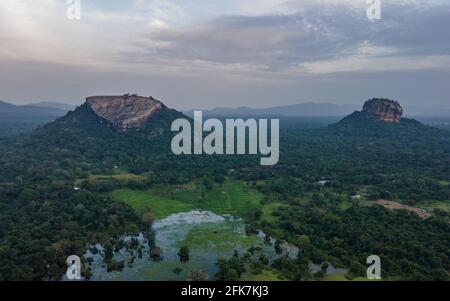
384	109
125	112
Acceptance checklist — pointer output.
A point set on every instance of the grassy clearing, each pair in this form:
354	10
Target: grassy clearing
143	200
444	206
341	277
121	177
344	205
232	197
267	274
267	211
217	238
335	278
365	279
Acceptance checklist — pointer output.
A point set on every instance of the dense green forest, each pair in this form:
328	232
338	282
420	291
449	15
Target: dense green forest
44	219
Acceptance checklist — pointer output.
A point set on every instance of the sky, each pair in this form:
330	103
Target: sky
227	53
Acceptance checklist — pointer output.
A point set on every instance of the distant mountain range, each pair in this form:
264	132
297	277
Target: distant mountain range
311	109
22	119
15	119
305	109
53	104
35	111
146	118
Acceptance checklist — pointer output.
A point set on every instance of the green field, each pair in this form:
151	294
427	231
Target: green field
267	211
335	278
343	278
121	176
344	205
144	200
217	238
267	274
231	197
444	206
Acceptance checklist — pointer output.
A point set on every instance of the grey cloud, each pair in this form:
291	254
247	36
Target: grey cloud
312	34
416	30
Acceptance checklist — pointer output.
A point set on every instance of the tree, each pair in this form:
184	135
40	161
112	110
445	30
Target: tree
264	259
267	239
156	253
277	246
197	275
148	218
208	184
184	254
108	251
304	242
28	195
231	275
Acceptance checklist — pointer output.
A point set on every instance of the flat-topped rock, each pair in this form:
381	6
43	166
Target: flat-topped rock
384	109
126	111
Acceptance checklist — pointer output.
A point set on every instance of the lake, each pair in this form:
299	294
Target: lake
209	237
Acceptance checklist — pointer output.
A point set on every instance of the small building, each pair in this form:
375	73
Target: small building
322	182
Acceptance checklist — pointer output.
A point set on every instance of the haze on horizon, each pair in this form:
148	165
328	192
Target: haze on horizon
228	53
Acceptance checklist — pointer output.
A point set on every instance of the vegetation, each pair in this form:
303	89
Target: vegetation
230	197
217	239
184	254
77	181
265	274
407	245
143	201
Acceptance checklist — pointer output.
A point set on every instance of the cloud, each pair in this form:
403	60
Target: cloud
273	36
313	34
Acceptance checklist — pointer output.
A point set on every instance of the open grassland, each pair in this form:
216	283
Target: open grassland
268	211
217	238
444	183
444	206
341	277
121	177
144	200
267	274
231	197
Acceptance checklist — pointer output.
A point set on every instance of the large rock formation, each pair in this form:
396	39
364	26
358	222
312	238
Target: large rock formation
384	109
125	112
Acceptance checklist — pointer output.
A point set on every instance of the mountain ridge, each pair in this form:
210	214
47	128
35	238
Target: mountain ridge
53	104
12	110
314	109
303	109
